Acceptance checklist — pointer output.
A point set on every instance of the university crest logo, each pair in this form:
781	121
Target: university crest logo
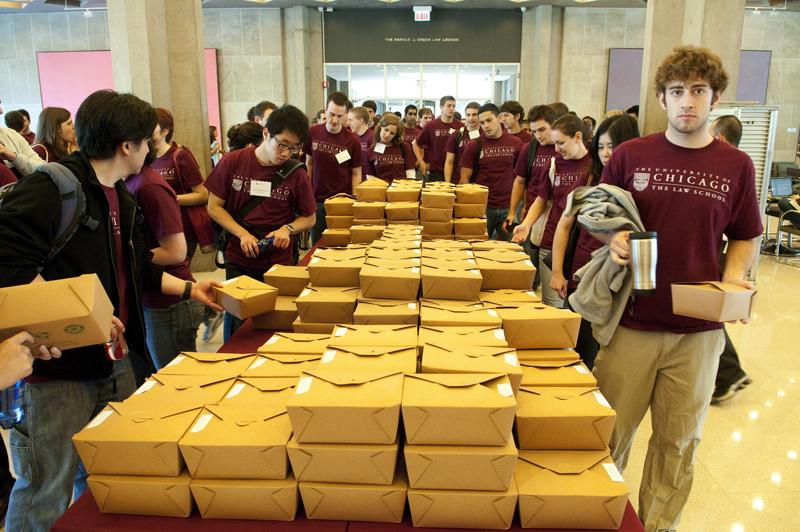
641	180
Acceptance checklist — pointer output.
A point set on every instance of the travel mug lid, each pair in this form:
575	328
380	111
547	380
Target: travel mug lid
644	235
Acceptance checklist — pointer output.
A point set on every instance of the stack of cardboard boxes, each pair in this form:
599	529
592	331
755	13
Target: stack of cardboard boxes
339	216
436	211
470	211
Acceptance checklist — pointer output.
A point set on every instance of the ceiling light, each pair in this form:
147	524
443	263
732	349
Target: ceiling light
388	1
453	1
14	5
775	478
519	1
326	1
737	527
758	504
736	436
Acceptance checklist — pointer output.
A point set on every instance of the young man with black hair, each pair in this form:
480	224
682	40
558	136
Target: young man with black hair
333	158
691	189
459	139
372	109
429	147
286	206
411	129
511	114
64	394
495	153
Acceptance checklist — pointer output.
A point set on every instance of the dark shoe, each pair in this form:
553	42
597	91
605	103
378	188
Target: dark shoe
725	393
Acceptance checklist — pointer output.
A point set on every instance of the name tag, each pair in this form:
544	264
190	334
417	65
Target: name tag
474	134
343	156
380	148
261	189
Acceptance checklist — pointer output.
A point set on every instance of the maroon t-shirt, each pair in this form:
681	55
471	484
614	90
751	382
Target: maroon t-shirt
119	255
584	248
330	177
433	139
392	163
495	167
690	197
523	136
458	151
180	170
29	137
409	134
538	170
162	213
6	175
230	181
570	174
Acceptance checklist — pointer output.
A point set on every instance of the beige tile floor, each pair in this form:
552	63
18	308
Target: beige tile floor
747	475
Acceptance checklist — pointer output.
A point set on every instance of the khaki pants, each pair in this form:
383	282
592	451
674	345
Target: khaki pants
673	375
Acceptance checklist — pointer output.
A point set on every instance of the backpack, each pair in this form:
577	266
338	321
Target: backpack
533	147
73	206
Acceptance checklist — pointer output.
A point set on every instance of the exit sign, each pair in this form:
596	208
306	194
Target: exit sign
422	13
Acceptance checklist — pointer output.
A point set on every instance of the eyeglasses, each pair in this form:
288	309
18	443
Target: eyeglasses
294	150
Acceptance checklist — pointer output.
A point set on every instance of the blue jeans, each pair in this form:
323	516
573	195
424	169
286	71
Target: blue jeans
172	330
47	465
495	216
320	225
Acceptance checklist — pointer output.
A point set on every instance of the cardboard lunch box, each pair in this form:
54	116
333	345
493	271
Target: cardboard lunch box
396	241
403	193
443	314
386	312
568	418
140	435
339	222
372	190
378	222
339	205
365	234
472	193
538	326
469	210
250	391
299	326
272	500
326	305
436	238
443	467
446	280
370	335
437	199
282	343
477	336
280	319
334	271
435	214
369	210
281	365
472	359
463	509
535	355
402	211
393	263
245	297
356	502
508	298
438	228
446	244
559	373
382	282
400	223
142	495
458	409
403	253
712	301
508	271
335	406
469	227
289	280
552	484
343	463
335	238
445	254
81	317
370	358
492	245
210	364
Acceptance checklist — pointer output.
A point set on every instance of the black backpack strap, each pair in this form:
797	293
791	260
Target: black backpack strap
533	147
476	164
280	176
456	160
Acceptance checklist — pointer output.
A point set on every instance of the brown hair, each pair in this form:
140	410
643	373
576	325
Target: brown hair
47	133
338	98
542	112
362	113
390	120
425	111
688	63
165	121
570	125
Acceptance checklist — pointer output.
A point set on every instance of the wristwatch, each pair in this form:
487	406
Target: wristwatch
187	291
290	228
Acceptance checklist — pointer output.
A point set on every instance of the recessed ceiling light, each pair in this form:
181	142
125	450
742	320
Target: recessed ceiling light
14	5
326	1
520	1
388	1
453	1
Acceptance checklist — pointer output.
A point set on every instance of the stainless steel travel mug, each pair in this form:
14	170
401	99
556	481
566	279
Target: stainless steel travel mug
644	256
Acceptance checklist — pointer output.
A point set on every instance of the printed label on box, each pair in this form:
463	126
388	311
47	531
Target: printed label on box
340	331
202	423
102	416
305	292
505	389
274	267
229	281
412	306
315	260
236	390
493	313
328	356
177	360
580	369
145	387
511	359
414	270
272	340
475	272
602	400
613	472
260	361
500	334
303	385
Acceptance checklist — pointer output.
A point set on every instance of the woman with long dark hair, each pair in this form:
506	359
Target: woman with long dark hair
55	136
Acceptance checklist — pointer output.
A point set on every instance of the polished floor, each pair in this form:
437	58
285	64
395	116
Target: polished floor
747	474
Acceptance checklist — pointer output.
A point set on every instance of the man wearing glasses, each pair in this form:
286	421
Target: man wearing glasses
287	206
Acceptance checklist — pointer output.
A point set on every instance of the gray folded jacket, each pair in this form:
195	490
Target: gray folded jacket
604	286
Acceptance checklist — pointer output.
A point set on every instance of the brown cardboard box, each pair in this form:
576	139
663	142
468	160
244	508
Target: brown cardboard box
382	282
439	314
437	238
469	227
552	484
365	234
472	359
343	463
326	305
403	193
492	245
406	229
280	366
141	495
435	214
372	190
396	223
480	336
386	312
437	199
508	298
211	364
458	409
369	210
358	222
508	270
245	297
140	435
289	280
535	355
339	222
402	210
459	245
295	344
449	255
438	228
335	238
67	313
369	335
463	509
559	373
472	193
412	242
339	205
355	502
334	406
281	318
473	238
273	500
395	254
300	326
393	263
563	418
335	271
370	358
540	326
469	210
443	467
712	301
249	391
444	280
